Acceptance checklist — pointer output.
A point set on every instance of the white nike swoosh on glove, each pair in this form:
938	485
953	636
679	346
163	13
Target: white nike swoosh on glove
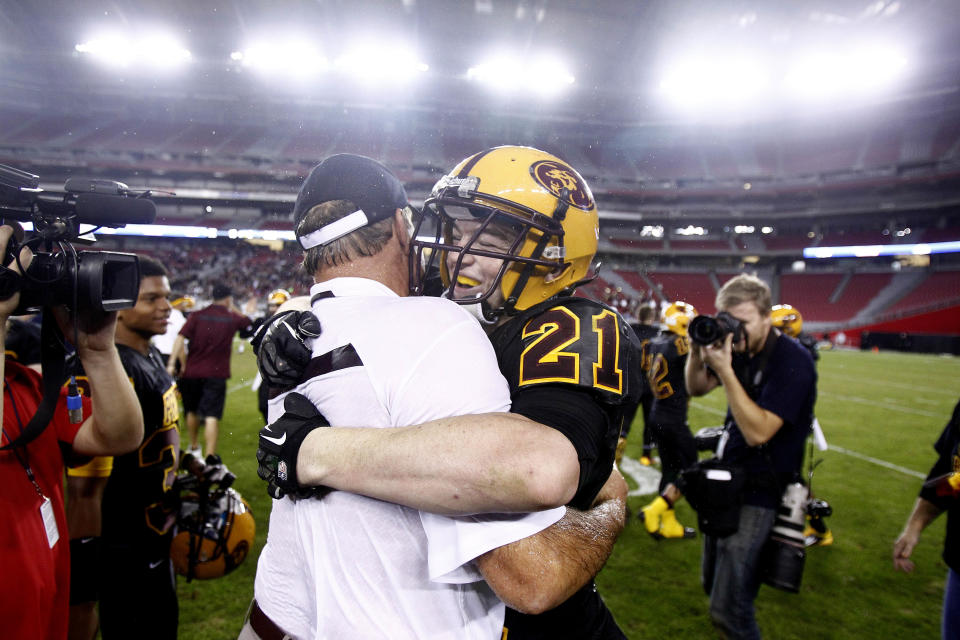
277	441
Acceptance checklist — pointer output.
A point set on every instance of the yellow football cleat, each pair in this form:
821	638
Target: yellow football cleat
670	527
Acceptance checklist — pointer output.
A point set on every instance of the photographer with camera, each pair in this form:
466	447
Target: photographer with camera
34	592
939	493
770	383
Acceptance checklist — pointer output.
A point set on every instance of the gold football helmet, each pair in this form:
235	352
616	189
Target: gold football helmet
542	203
215	530
787	319
184	303
278	296
677	316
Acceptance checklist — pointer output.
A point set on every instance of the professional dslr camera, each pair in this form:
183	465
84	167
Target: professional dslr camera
84	281
705	330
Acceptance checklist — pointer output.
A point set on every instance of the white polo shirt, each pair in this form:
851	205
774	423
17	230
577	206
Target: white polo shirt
347	566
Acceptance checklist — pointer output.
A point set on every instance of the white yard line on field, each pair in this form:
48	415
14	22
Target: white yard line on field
877	461
239	386
882	405
848	452
900	385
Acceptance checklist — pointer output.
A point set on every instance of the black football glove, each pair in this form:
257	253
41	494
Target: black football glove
282	355
280	445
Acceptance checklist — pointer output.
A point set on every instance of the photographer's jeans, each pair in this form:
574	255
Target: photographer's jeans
950	623
730	572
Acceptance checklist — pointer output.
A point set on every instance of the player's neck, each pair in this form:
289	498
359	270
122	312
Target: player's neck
134	340
388	267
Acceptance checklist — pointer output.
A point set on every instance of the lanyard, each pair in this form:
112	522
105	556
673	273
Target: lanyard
21	454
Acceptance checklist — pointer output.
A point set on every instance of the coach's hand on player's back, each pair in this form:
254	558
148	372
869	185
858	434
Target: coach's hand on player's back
279	446
280	345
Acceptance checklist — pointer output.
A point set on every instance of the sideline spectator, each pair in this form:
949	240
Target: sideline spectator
940	492
205	365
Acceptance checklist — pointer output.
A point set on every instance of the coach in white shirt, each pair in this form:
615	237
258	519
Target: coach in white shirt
349	566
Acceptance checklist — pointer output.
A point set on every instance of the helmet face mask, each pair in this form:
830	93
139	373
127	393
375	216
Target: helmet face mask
215	531
511	204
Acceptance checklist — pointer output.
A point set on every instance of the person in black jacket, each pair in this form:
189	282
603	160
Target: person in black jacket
939	493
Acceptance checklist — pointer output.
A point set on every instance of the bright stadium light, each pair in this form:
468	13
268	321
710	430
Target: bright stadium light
715	81
829	74
376	62
545	76
292	58
744	228
153	50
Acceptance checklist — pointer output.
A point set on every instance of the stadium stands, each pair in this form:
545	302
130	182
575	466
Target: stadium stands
811	292
939	288
694	288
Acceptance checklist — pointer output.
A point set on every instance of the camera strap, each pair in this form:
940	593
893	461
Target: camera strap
53	356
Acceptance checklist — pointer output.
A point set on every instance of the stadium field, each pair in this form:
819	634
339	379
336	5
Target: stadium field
881	413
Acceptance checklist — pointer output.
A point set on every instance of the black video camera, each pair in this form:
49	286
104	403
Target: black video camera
84	281
705	330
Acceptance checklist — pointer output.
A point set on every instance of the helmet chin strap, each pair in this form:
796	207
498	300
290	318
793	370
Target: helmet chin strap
481	311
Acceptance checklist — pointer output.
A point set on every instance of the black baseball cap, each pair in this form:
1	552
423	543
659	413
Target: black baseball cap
345	176
221	291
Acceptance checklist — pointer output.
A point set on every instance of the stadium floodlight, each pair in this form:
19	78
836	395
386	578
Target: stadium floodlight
744	228
829	74
766	230
652	231
283	57
544	76
691	230
157	51
715	81
381	61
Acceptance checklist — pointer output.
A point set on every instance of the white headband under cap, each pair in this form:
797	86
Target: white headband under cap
334	230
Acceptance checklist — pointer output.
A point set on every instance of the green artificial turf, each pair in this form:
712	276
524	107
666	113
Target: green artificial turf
878	408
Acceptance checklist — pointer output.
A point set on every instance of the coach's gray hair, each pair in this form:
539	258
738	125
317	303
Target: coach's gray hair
364	242
744	288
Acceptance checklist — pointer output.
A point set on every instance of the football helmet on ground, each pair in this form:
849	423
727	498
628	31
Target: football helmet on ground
677	316
541	208
787	319
215	527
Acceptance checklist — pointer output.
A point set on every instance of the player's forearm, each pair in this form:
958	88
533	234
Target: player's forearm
176	353
469	464
115	425
924	512
755	423
542	571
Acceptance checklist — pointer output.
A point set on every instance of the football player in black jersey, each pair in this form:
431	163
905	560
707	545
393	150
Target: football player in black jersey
668	357
515	232
134	573
646	330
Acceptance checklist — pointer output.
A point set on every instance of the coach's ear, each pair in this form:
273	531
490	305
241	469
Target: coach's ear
402	229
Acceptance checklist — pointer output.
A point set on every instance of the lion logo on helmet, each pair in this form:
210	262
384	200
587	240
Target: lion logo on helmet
555	177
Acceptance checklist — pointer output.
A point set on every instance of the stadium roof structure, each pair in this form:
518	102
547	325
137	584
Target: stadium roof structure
234	140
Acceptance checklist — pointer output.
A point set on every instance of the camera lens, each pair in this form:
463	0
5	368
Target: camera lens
704	330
